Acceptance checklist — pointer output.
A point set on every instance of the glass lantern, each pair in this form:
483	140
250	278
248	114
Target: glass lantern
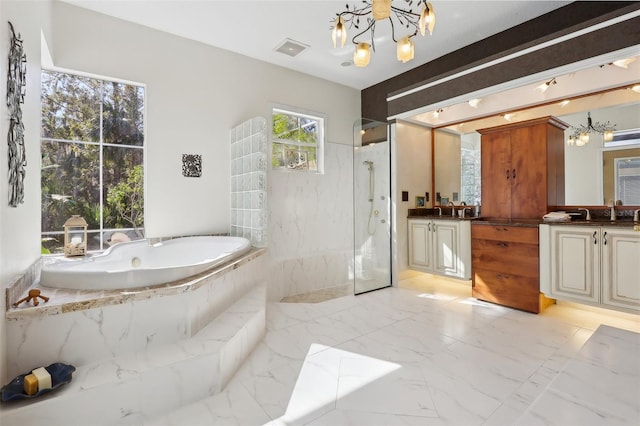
75	236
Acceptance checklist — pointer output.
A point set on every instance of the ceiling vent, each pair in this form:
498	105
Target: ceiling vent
291	47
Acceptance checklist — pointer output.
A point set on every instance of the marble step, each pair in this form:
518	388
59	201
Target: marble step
130	389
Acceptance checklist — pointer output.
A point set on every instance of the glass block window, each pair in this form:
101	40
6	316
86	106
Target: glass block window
297	141
249	181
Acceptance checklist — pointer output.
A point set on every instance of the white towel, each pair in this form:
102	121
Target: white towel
556	217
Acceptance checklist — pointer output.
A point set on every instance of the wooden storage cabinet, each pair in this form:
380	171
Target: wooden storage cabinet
505	265
522	168
440	247
591	264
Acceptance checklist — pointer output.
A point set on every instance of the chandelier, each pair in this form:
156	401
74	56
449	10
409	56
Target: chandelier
580	135
363	19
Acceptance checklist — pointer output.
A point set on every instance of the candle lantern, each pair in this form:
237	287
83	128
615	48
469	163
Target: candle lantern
75	236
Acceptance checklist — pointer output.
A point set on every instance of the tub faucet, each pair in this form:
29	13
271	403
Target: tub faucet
636	215
587	214
439	210
453	208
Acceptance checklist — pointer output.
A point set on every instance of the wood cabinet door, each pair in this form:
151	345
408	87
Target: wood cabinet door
496	174
621	268
575	262
528	172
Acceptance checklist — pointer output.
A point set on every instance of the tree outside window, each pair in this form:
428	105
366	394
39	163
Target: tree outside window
297	141
92	148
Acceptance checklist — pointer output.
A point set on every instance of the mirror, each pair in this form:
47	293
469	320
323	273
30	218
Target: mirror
590	177
457	167
609	91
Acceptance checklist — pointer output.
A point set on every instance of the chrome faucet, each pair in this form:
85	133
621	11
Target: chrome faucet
463	203
587	214
439	210
453	208
636	215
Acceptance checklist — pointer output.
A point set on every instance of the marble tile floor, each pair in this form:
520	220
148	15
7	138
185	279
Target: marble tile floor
425	354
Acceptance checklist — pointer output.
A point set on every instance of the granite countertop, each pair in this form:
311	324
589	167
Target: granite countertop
443	217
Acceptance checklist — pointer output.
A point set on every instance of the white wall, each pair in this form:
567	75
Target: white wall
413	165
195	94
20	226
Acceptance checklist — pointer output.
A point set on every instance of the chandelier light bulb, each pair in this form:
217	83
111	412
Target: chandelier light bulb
339	32
608	135
405	49
427	19
583	139
362	55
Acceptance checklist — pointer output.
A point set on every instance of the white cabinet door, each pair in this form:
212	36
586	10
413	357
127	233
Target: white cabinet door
445	244
420	256
575	263
621	268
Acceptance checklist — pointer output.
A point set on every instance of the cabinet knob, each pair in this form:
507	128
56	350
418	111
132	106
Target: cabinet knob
514	173
507	173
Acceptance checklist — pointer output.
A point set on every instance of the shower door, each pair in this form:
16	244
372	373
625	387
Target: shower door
371	206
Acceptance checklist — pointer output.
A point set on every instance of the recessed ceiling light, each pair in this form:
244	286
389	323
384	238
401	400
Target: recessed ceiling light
636	88
623	63
508	116
474	103
291	47
564	103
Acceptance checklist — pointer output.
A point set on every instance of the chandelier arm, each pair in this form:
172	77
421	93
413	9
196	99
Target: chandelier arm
370	27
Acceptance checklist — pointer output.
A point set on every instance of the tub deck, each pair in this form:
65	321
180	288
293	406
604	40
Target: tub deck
65	300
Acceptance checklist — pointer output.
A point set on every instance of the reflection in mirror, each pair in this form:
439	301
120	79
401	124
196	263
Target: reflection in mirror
457	166
589	169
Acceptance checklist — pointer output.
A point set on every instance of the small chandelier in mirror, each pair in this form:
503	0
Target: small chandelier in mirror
580	134
364	18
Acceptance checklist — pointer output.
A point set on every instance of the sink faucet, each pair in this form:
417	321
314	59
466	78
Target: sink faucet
453	208
613	213
636	215
587	214
439	210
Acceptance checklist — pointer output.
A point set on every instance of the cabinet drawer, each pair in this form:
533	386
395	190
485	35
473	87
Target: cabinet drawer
516	234
506	289
507	257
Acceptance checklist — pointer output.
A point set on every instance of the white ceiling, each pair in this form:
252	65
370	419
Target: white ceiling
256	28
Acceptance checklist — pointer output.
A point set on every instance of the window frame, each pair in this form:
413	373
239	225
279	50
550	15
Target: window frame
319	146
101	144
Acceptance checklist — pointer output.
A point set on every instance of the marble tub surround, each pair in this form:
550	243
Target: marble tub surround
131	389
424	354
21	285
66	300
83	327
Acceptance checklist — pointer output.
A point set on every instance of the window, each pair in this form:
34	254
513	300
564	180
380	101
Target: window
297	141
627	180
92	148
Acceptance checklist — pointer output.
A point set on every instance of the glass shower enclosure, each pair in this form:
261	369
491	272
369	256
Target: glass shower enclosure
371	206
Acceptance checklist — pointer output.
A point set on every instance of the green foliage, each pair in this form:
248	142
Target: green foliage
127	199
78	113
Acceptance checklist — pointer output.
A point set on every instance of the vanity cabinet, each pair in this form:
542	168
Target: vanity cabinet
440	247
505	266
596	265
522	168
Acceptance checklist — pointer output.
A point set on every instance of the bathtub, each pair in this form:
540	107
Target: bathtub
139	264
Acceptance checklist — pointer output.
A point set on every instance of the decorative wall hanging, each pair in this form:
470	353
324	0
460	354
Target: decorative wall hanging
191	165
16	84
